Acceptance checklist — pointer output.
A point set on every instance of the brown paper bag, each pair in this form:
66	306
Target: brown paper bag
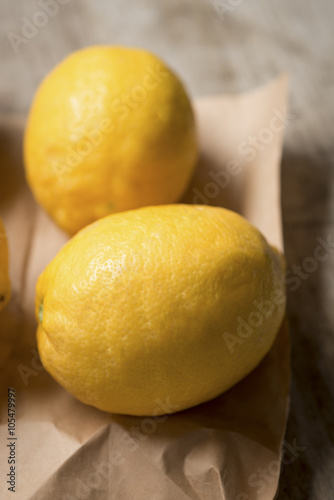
228	448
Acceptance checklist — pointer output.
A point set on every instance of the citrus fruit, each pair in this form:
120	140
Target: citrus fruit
4	278
169	303
110	129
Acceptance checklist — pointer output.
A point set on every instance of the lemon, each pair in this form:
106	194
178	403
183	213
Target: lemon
4	278
110	129
170	303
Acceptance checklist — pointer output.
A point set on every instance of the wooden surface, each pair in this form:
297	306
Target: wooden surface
217	52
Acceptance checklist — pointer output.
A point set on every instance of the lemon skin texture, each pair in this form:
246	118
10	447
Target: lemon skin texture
110	129
135	308
4	276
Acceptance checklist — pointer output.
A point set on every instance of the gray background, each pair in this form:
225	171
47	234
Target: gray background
218	52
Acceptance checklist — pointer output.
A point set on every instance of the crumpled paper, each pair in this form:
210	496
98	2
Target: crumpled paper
229	448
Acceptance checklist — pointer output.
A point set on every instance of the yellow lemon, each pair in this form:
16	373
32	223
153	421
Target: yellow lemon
166	305
110	129
4	278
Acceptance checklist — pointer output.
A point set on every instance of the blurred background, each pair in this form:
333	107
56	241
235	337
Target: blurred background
214	45
228	46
